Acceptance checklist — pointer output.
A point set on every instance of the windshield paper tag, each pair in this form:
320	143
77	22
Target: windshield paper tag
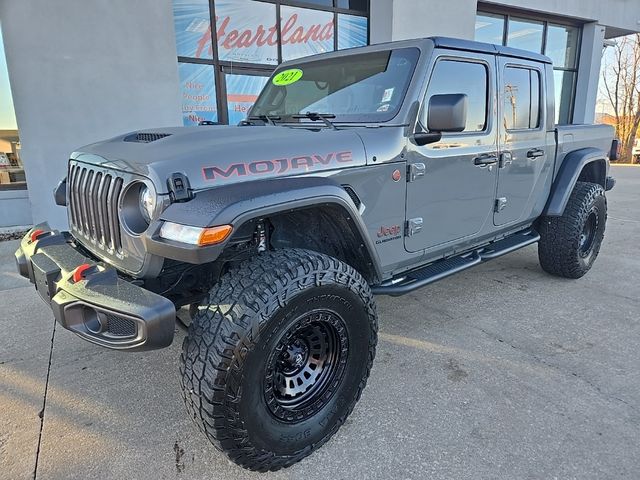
386	96
287	77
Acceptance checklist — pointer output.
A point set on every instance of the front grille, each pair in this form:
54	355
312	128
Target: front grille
93	204
120	327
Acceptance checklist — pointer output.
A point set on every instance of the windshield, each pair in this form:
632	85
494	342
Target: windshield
366	87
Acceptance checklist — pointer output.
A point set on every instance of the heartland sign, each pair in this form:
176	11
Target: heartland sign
242	37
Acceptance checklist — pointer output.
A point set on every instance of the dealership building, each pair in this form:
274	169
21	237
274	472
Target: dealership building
81	71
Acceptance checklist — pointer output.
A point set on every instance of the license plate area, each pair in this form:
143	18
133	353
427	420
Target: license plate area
45	274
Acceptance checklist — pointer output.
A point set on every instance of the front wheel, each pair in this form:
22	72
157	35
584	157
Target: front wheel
569	244
277	357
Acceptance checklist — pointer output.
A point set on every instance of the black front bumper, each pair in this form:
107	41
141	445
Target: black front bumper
93	301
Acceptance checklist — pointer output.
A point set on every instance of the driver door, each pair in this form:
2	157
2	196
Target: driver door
452	183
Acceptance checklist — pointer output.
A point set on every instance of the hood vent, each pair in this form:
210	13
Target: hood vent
145	137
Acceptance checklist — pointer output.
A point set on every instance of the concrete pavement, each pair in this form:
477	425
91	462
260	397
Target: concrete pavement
499	372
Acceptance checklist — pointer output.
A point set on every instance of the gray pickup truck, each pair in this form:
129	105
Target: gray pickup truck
376	170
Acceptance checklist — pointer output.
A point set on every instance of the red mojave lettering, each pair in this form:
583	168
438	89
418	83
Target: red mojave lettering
277	165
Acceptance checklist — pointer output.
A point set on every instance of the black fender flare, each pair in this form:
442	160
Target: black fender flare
238	203
568	175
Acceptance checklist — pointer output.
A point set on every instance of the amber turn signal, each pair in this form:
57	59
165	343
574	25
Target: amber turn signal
213	235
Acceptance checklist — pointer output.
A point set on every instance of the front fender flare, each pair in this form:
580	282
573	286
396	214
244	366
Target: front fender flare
572	165
238	203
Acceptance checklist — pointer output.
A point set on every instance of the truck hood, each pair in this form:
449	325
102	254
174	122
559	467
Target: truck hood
216	155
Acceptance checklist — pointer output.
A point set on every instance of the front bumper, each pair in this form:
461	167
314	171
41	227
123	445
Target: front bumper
92	301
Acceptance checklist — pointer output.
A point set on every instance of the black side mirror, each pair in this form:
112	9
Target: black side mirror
447	113
60	193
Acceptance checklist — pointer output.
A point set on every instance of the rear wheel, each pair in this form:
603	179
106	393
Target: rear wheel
278	355
569	244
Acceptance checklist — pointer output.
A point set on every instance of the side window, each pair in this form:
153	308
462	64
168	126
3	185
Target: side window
453	76
521	98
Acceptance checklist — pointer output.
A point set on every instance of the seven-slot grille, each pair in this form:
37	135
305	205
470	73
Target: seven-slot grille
93	202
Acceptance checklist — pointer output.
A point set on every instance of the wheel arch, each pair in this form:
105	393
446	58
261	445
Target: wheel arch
583	165
315	213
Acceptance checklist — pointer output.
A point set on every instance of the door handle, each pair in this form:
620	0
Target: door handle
535	153
485	159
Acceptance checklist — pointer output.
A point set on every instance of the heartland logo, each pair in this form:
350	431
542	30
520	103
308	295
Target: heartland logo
278	166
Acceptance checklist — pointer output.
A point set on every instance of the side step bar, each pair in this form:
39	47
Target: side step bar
440	269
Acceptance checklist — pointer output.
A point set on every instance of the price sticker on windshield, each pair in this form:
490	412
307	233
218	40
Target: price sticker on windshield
287	77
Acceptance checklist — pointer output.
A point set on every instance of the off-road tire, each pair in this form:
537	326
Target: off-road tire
562	249
234	334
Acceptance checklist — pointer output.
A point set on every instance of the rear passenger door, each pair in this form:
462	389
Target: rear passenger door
522	139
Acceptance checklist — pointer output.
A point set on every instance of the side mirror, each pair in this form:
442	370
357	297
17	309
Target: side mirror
447	113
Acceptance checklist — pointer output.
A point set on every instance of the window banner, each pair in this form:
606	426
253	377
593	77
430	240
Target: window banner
352	31
247	31
305	32
193	28
242	92
198	89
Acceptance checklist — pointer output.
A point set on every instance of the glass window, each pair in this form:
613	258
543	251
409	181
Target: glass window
562	45
564	85
368	87
521	98
352	31
361	5
193	28
305	32
247	31
11	169
490	28
450	76
198	88
525	34
242	92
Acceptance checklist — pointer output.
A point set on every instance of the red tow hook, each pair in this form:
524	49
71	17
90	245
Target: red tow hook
78	273
35	234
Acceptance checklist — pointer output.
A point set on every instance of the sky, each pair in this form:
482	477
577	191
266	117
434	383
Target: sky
7	115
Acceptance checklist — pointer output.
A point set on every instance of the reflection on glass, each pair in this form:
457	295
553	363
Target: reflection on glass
490	28
198	88
462	77
521	98
242	92
563	82
367	87
525	34
562	45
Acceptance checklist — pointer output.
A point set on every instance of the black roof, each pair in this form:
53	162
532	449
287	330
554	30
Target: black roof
471	46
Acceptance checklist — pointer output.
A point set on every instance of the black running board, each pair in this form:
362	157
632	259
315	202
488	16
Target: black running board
414	279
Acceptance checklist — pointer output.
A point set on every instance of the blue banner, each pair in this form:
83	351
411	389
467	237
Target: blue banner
242	92
198	89
193	28
352	31
246	31
305	32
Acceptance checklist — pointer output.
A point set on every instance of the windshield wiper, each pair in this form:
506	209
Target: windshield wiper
270	119
315	116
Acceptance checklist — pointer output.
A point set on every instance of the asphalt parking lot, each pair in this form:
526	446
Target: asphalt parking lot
499	372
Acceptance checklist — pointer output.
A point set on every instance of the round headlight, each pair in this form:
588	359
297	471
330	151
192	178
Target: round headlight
147	203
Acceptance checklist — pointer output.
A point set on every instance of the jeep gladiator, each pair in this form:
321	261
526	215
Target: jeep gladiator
377	170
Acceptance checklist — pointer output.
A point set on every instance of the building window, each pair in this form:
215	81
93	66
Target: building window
452	76
228	48
559	42
11	170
